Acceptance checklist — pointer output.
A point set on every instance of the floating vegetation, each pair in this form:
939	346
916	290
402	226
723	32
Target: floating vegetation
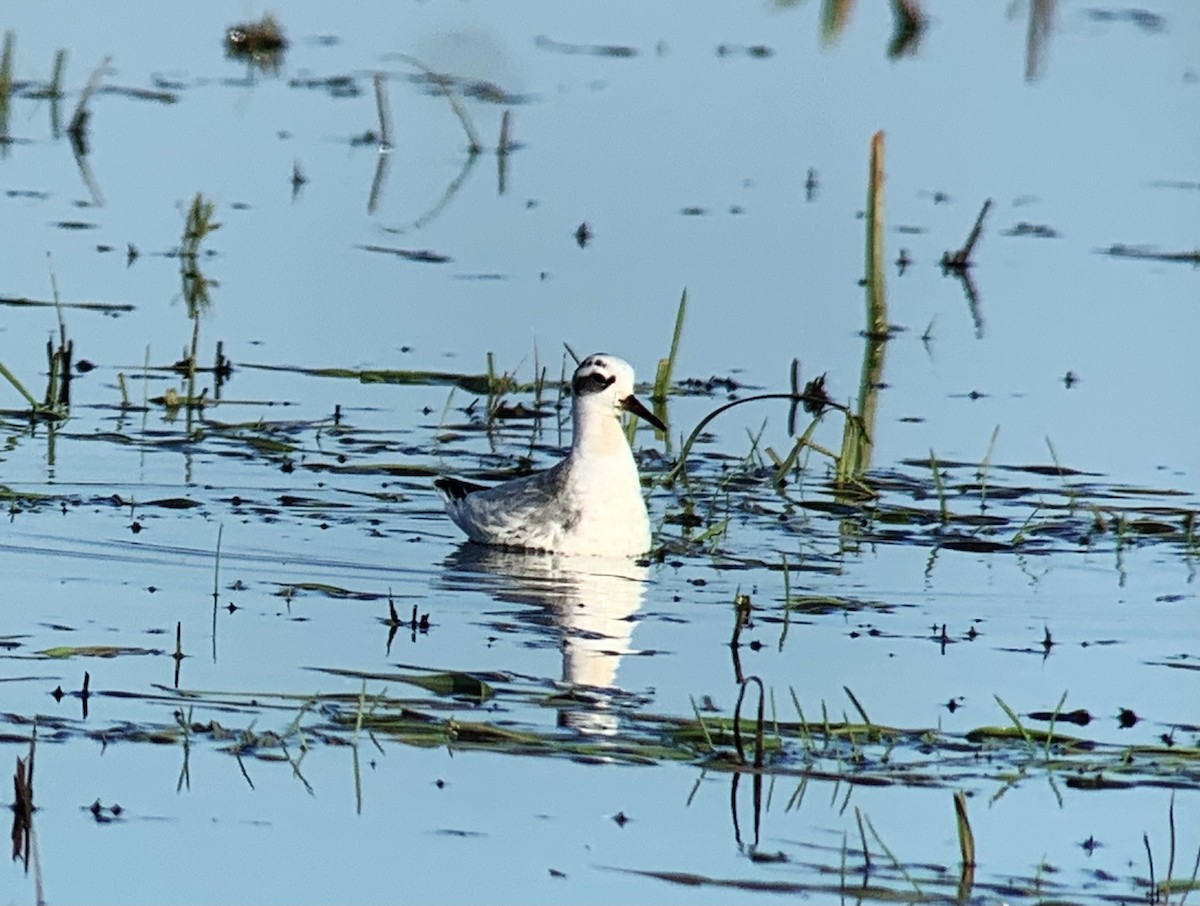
261	44
425	255
1036	230
594	50
337	86
753	51
157	95
64	652
855	752
836	560
1146	252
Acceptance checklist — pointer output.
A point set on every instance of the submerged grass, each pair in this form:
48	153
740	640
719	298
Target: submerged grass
882	754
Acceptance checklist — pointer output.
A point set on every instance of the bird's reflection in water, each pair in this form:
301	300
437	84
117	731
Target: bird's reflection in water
583	605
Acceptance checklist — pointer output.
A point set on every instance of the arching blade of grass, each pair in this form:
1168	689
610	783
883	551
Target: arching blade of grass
1016	721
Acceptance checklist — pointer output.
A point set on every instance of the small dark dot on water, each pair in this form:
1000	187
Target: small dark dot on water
58	693
152	588
235	500
136	527
287	468
699	583
756	645
341	457
115	809
439	783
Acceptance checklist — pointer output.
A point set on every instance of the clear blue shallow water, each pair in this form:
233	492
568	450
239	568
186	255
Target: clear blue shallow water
625	144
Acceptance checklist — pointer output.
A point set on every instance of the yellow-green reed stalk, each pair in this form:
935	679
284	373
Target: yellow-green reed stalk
896	863
385	114
503	146
20	388
197	225
983	468
666	367
54	90
876	291
966	848
6	82
938	488
703	729
855	456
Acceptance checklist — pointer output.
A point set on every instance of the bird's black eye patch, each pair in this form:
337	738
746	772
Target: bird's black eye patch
592	382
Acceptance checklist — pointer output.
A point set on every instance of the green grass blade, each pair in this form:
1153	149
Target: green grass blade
666	367
876	293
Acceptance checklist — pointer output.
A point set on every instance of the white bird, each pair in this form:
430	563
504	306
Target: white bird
590	502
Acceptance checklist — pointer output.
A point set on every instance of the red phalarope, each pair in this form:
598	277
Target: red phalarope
591	502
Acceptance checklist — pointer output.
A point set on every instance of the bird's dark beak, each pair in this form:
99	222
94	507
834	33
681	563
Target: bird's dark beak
634	405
